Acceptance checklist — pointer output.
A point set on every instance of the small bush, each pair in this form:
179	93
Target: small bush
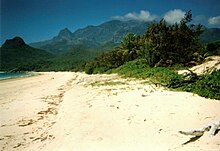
208	86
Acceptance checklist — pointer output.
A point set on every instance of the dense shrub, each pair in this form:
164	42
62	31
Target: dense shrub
208	86
173	44
212	49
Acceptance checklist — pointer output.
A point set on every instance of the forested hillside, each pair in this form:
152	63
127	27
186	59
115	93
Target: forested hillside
16	55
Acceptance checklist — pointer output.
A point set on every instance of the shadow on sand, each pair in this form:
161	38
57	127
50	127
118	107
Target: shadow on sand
193	139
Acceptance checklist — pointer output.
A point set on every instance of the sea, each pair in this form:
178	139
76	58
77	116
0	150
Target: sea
4	75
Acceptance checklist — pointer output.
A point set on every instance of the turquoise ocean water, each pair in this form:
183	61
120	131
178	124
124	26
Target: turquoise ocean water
13	75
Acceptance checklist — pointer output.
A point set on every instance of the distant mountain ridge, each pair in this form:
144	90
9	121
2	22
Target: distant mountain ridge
210	35
92	36
111	31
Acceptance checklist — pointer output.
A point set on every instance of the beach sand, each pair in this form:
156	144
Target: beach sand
66	111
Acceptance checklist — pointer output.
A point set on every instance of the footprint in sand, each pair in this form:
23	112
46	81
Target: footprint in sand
25	122
18	145
49	111
130	119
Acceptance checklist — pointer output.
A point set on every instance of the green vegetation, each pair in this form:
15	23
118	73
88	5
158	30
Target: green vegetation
155	54
162	45
139	69
168	45
212	49
208	86
17	56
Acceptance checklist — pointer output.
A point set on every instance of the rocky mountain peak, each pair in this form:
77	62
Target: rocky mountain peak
65	33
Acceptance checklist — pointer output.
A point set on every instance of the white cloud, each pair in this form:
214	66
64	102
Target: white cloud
214	20
142	16
174	16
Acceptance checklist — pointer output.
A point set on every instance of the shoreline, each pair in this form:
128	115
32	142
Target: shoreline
75	111
28	74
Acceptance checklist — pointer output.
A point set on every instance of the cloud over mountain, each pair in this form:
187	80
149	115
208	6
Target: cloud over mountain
171	17
142	16
214	20
174	16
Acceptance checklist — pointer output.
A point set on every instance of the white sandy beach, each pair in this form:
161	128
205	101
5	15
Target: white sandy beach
66	111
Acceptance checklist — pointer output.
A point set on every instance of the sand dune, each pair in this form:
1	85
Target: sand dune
67	111
212	62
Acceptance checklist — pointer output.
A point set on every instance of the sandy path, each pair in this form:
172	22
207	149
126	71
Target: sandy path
77	112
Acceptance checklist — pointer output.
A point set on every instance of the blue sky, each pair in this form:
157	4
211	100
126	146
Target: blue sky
37	20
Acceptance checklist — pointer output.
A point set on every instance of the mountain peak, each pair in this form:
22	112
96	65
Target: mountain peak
64	34
14	43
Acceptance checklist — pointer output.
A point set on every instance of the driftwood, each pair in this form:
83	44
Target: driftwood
187	79
212	128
